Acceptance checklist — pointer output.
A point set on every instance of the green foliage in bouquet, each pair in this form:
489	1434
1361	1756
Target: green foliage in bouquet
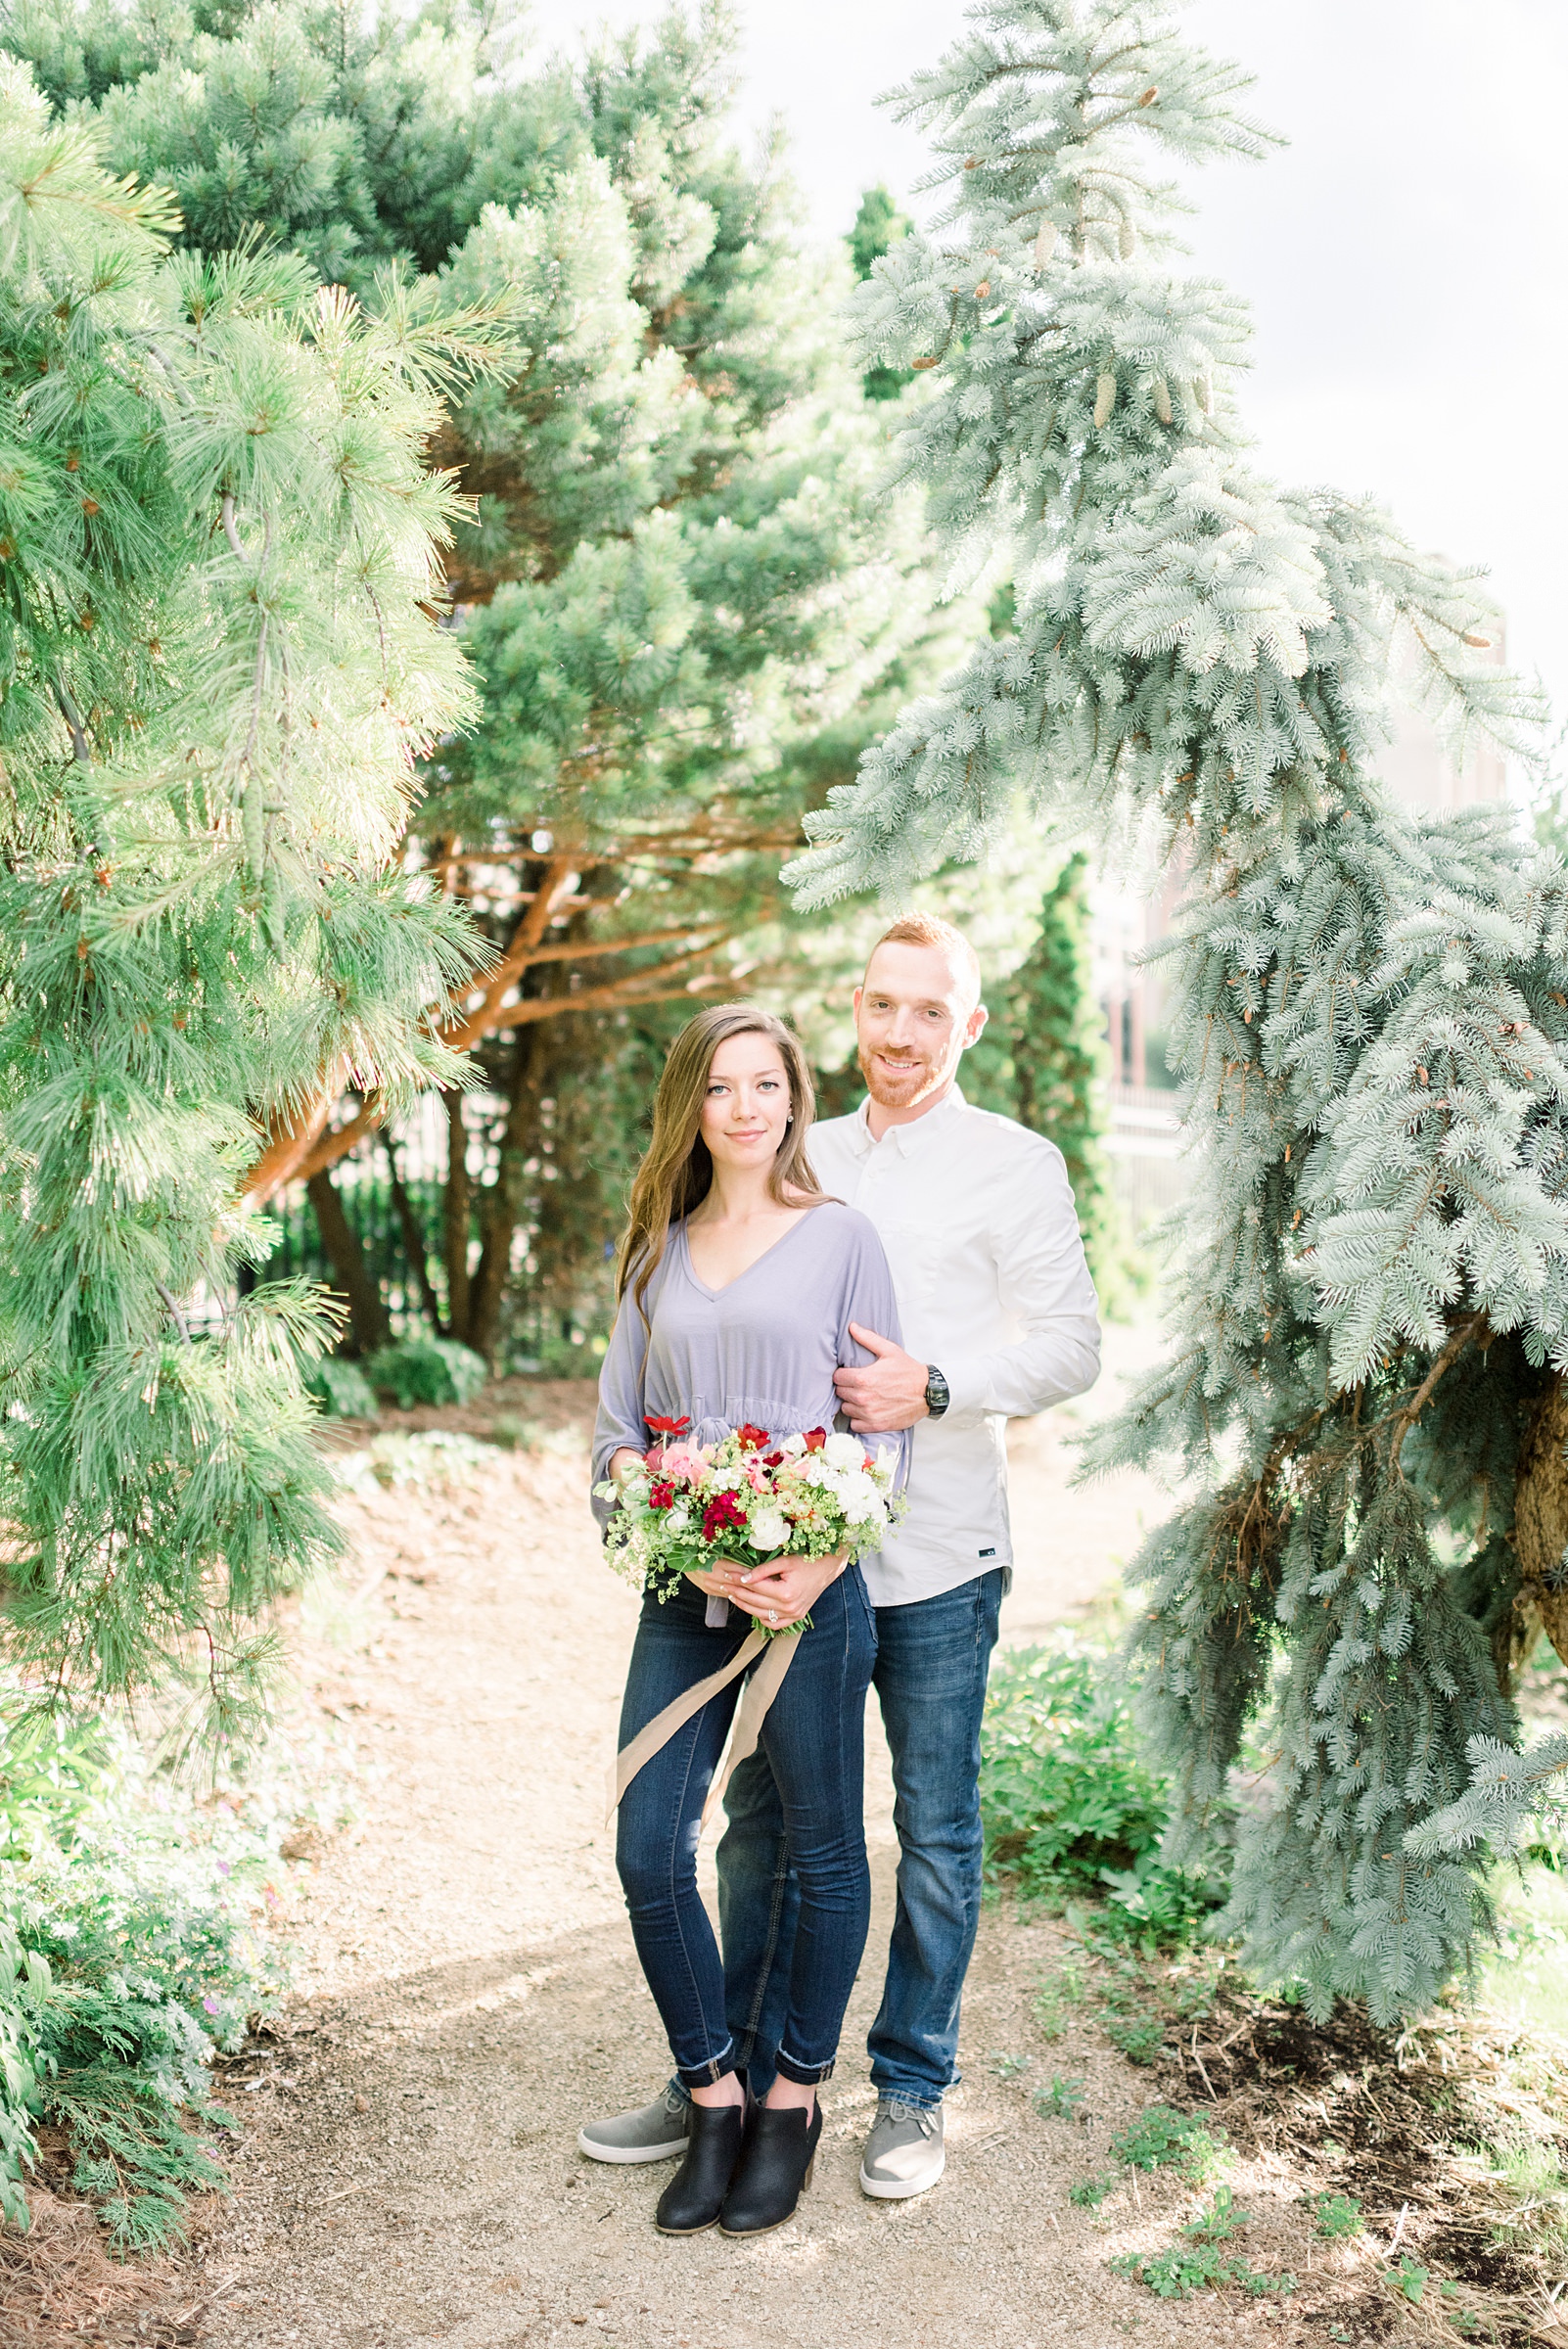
1365	1391
218	538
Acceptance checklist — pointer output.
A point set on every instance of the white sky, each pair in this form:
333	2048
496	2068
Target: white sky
1404	255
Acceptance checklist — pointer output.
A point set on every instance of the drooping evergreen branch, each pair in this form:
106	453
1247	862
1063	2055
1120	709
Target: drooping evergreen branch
208	758
1368	1009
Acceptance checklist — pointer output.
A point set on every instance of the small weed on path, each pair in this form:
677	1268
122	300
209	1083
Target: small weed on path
1195	2263
1061	2100
1161	2138
1337	2217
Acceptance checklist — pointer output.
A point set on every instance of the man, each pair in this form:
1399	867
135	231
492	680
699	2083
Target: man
999	1320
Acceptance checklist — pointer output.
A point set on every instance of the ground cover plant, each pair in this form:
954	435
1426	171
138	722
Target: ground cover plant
131	1955
1073	1809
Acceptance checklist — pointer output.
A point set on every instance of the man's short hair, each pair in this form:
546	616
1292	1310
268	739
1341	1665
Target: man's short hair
929	930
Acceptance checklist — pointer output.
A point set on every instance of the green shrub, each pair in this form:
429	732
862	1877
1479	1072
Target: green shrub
127	1957
1071	1808
341	1389
424	1370
428	1460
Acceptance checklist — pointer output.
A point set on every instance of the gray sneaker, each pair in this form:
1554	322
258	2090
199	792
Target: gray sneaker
905	2152
658	2132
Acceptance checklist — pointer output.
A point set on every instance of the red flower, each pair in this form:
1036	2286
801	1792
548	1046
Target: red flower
815	1438
752	1439
661	1497
669	1427
772	1459
724	1514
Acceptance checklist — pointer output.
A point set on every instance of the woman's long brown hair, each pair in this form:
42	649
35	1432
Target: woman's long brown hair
677	1172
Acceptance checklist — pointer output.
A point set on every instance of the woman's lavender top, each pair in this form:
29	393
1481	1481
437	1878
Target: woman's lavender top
764	1350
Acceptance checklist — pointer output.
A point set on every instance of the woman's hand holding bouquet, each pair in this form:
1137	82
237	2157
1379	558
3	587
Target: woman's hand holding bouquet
697	1509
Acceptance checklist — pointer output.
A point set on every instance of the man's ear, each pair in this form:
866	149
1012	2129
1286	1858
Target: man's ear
856	1001
975	1027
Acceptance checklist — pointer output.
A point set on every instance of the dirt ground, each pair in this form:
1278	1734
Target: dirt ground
466	1994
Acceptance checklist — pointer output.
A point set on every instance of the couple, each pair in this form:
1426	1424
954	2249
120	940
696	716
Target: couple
915	1269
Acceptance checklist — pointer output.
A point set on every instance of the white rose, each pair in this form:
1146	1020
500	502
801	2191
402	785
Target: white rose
844	1452
793	1447
678	1520
767	1529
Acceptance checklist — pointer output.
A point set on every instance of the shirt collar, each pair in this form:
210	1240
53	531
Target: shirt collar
907	1138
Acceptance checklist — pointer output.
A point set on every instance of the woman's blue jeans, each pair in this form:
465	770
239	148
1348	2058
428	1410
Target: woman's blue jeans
813	1738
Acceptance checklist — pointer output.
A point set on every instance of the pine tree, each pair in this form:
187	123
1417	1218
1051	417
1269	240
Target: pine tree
688	602
1370	1328
878	224
1059	1057
219	540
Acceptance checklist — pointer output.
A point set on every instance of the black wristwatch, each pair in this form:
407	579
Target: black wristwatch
936	1395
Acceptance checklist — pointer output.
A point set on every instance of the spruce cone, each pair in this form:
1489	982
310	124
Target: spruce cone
1104	400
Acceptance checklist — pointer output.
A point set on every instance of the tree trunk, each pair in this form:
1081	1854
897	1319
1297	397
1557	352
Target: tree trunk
368	1316
456	1218
503	1201
414	1249
1541	1529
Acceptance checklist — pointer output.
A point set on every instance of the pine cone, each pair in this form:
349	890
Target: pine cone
1104	400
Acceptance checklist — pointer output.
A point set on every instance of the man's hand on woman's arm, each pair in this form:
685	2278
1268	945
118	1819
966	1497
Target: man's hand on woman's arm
889	1394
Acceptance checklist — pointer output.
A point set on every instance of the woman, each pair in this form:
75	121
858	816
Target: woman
738	1281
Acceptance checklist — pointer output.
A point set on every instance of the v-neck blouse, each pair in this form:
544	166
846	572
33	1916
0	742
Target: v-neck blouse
764	1349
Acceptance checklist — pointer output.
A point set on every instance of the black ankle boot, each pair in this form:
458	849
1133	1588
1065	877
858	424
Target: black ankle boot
692	2198
775	2168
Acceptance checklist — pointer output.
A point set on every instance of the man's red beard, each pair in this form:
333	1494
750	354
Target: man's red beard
898	1094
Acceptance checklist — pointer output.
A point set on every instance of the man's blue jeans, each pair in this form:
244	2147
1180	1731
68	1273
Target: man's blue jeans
933	1657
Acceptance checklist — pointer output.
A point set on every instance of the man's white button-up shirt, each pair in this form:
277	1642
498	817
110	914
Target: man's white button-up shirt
977	1216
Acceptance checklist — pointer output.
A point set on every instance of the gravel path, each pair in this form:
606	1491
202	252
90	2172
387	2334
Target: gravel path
467	1991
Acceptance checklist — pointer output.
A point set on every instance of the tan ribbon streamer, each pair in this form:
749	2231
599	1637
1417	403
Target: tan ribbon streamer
752	1711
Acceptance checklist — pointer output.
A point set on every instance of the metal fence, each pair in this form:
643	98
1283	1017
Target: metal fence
1144	1141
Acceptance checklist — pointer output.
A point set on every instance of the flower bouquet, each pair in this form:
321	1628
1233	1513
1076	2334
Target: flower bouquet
686	1505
